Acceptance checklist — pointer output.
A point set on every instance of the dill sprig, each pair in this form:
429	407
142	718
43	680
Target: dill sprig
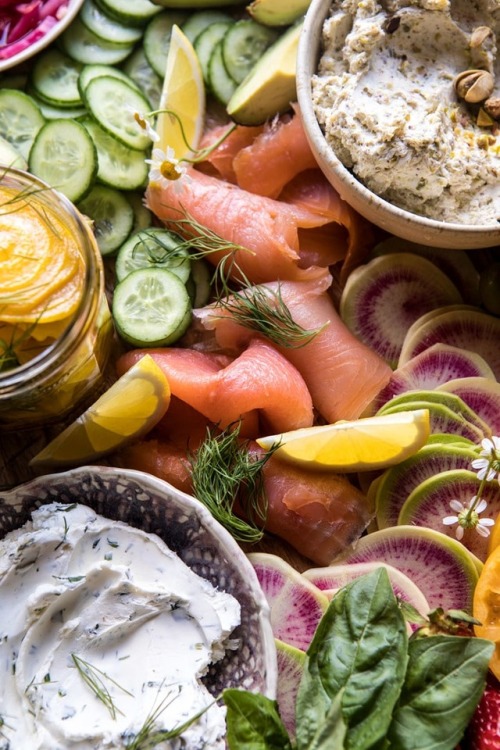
223	473
93	677
148	736
264	310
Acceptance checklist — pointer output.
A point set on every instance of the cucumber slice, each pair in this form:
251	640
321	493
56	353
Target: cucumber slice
64	156
51	112
244	45
153	248
85	47
111	101
119	166
105	27
143	217
199	21
219	80
112	215
55	79
201	277
156	41
88	72
206	42
9	157
20	120
129	12
151	307
141	72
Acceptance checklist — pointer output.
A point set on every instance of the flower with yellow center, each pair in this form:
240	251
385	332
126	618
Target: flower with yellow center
164	167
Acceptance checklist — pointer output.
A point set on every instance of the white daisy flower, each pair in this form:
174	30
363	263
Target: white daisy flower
144	124
467	517
164	167
488	465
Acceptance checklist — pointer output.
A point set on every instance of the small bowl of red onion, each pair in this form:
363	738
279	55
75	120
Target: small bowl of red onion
29	26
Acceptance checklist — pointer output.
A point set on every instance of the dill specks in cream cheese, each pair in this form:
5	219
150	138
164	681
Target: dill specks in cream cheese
104	637
385	97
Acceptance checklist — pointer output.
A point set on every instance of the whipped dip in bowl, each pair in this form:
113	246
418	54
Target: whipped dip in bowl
126	612
401	105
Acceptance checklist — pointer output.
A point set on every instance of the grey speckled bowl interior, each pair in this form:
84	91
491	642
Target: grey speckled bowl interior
189	530
391	218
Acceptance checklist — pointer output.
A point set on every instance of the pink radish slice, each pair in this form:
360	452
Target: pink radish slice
441	567
482	394
290	669
296	604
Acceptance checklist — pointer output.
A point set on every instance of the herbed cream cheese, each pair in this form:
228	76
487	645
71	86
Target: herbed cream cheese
384	95
105	635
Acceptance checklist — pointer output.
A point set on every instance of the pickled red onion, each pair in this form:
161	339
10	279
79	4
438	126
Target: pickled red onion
23	24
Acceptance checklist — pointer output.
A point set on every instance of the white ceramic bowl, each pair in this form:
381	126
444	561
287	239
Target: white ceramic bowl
190	531
73	8
382	213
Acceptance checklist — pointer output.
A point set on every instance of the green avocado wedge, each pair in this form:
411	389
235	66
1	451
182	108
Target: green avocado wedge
270	87
277	12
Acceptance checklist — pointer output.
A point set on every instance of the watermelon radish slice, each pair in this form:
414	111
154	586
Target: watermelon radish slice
291	662
396	484
442	568
296	604
429	503
481	394
334	577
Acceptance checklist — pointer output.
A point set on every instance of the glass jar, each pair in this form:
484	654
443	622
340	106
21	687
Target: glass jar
55	324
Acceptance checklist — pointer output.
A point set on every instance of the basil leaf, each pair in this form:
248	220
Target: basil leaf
253	722
444	681
359	648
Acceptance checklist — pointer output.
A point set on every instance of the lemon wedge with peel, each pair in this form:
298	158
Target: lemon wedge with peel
360	445
127	410
183	92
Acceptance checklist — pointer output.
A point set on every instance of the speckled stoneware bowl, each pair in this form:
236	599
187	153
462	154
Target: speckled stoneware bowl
383	214
188	528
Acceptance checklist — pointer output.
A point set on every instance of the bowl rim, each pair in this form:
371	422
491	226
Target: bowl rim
230	549
73	8
371	206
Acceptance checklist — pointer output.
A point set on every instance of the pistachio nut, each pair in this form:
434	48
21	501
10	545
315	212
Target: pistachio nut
492	107
474	85
479	35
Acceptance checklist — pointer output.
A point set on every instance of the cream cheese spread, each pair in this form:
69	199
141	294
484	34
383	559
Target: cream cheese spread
385	98
105	635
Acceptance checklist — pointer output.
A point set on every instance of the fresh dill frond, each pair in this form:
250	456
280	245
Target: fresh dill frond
94	678
157	249
225	473
262	309
149	736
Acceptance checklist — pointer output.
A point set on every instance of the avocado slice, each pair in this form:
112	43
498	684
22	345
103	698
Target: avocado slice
270	86
277	12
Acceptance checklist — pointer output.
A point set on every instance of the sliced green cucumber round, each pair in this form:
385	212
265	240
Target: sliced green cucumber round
112	217
154	248
20	119
119	166
219	80
130	12
244	45
151	307
107	28
201	19
140	71
111	102
64	156
205	44
54	79
85	47
89	72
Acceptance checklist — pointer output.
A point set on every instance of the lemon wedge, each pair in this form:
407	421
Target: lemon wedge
183	92
127	410
361	445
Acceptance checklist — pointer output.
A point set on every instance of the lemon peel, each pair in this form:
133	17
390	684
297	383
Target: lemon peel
360	445
131	407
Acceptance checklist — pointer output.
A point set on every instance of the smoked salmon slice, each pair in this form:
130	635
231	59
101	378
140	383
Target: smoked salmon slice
260	378
342	374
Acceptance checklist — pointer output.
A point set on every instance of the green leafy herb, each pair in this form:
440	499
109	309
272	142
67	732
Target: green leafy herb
225	473
366	686
263	309
95	679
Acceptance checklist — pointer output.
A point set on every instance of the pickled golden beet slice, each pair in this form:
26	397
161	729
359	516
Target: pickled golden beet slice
127	410
42	270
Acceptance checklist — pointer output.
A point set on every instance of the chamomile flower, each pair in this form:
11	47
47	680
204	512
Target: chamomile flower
488	465
144	124
164	167
467	517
